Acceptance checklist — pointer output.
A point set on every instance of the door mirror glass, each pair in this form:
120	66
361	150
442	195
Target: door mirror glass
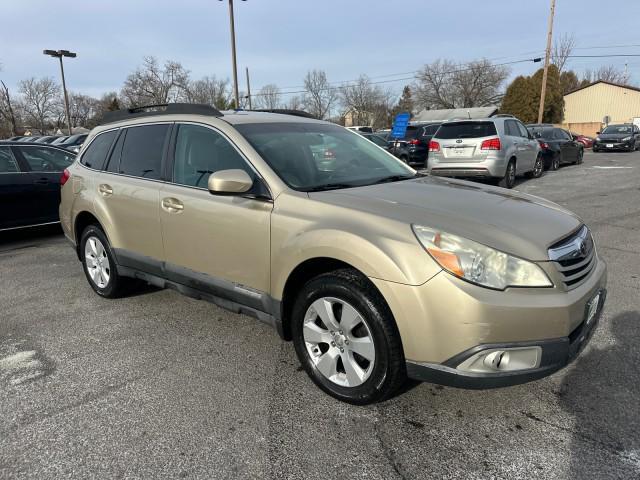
229	182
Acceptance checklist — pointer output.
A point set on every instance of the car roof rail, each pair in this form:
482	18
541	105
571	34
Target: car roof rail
285	111
504	115
160	109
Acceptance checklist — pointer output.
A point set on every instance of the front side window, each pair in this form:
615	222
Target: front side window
200	152
43	159
142	151
8	164
522	130
96	153
316	156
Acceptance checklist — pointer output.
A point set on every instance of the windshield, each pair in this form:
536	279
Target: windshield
315	156
617	129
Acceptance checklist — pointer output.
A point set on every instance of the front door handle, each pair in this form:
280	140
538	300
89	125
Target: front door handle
172	205
105	190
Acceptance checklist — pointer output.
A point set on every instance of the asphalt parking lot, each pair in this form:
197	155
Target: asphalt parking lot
158	385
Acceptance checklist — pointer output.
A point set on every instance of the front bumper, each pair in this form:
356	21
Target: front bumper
556	354
446	320
604	145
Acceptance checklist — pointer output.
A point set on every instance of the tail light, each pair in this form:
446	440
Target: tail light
65	176
434	146
414	141
543	144
491	144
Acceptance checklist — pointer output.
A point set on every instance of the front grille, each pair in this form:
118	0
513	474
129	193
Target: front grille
574	257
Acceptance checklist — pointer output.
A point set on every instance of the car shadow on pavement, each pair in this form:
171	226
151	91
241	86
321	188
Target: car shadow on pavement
32	235
602	394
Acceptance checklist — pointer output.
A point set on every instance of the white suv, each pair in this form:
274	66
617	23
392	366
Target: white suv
497	148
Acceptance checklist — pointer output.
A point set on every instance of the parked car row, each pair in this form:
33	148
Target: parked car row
70	142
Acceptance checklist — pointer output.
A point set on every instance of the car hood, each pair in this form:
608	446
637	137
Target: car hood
614	136
513	222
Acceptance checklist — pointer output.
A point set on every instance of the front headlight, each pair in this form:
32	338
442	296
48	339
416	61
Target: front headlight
626	139
478	263
597	139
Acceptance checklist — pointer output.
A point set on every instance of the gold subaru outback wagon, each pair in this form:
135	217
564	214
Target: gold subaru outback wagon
375	271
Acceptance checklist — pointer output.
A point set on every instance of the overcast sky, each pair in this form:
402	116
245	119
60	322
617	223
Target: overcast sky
280	40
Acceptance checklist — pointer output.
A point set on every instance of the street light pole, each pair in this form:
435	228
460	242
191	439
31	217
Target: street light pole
236	94
59	54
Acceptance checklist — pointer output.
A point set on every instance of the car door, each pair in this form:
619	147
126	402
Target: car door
128	193
564	142
44	166
529	149
215	243
15	188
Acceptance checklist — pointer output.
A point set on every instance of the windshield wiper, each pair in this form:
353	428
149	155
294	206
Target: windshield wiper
329	186
395	178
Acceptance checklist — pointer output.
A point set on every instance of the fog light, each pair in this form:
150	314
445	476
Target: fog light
496	360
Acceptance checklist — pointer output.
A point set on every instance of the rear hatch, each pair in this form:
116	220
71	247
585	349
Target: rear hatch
463	141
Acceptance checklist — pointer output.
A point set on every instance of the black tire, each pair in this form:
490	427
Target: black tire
405	159
555	162
538	168
116	285
388	373
580	157
509	179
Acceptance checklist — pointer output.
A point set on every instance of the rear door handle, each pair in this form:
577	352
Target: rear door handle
105	190
42	181
172	205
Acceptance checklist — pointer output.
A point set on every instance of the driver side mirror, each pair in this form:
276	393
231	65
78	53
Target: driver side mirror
229	182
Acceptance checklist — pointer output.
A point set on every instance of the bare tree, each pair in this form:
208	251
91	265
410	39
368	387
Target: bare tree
295	103
319	95
7	111
268	97
562	49
211	91
608	73
41	100
446	84
155	84
82	108
359	100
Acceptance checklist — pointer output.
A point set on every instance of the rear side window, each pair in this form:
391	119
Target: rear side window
412	132
511	128
8	164
142	151
430	130
96	154
466	130
43	159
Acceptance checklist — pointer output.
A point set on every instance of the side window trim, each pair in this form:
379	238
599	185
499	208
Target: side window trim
171	155
16	161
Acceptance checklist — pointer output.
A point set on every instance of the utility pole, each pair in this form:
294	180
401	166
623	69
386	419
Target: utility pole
543	92
236	94
248	88
59	54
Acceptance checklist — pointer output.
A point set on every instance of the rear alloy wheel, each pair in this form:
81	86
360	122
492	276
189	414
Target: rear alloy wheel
538	168
580	157
509	179
555	162
346	338
99	265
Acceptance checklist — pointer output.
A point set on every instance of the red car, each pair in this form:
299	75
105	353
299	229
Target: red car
587	142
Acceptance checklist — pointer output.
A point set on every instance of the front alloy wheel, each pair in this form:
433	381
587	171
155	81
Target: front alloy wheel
346	338
339	342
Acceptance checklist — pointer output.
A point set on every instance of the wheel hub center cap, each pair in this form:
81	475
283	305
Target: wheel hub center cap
340	340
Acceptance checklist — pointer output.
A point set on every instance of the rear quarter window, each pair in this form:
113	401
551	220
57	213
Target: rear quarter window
466	130
96	154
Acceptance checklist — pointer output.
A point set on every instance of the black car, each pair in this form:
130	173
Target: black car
30	177
416	141
625	136
557	146
399	149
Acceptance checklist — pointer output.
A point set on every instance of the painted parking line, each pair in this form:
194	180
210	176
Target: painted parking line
608	168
